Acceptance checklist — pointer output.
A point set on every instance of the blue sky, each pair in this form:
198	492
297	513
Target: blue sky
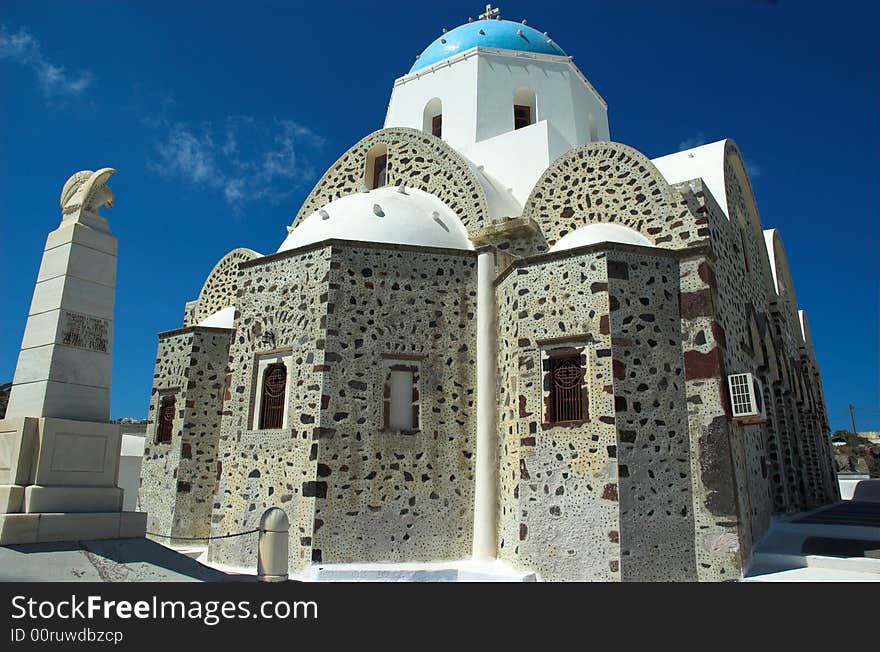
220	117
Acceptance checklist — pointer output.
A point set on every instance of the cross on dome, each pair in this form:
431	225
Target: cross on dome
490	13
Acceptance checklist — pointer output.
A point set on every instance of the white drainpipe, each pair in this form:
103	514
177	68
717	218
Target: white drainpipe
486	486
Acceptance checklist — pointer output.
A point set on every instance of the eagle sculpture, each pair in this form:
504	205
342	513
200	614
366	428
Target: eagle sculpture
87	190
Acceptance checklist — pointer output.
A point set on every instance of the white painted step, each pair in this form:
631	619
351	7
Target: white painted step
809	575
786	561
451	571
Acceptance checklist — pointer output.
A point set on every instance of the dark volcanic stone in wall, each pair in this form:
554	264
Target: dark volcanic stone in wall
415	159
191	365
282	304
610	182
653	451
158	491
558	493
398	496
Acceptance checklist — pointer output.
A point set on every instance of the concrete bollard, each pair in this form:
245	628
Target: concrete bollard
273	546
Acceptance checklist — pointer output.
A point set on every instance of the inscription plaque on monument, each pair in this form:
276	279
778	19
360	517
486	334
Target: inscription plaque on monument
84	332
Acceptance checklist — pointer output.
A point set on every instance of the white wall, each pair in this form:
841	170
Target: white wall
516	159
456	88
131	457
477	91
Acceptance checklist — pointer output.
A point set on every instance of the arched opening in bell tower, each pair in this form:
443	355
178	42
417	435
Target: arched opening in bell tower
433	118
524	108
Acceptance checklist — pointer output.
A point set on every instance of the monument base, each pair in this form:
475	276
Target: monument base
66	526
58	482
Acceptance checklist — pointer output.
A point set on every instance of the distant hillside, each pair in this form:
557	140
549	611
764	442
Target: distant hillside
5	389
855	454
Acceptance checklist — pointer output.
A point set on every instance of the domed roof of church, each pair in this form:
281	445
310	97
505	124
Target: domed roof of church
600	232
390	215
501	34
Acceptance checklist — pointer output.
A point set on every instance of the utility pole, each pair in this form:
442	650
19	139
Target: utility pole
853	419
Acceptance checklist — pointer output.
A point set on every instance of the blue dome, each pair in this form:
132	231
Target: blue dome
501	34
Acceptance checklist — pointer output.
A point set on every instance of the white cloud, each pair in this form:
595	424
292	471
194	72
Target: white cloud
188	155
693	141
243	159
55	80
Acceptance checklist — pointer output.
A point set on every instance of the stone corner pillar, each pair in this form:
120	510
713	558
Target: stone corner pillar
486	483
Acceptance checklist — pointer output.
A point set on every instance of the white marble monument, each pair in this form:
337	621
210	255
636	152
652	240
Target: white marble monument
59	455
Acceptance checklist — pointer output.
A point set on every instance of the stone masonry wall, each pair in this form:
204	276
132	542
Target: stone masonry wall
558	503
653	447
197	466
739	295
383	495
178	478
158	490
282	307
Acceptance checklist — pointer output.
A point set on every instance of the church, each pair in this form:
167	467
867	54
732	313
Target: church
492	332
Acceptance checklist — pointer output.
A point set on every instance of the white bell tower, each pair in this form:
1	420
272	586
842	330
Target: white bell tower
504	95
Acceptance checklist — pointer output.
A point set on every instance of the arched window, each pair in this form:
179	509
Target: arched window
272	399
376	173
165	420
524	109
433	118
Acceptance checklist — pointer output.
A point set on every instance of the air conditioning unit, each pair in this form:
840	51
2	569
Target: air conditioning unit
747	399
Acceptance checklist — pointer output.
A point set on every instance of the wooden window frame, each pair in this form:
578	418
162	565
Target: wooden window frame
437	125
383	158
165	418
528	114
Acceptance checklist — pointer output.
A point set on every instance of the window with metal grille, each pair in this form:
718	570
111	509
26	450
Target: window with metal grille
522	116
567	397
437	126
165	421
272	399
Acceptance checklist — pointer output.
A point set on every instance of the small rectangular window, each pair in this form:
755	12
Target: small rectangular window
566	384
401	400
165	420
437	126
380	168
401	396
522	116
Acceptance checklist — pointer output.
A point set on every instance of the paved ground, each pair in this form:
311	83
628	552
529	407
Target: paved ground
839	542
117	560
